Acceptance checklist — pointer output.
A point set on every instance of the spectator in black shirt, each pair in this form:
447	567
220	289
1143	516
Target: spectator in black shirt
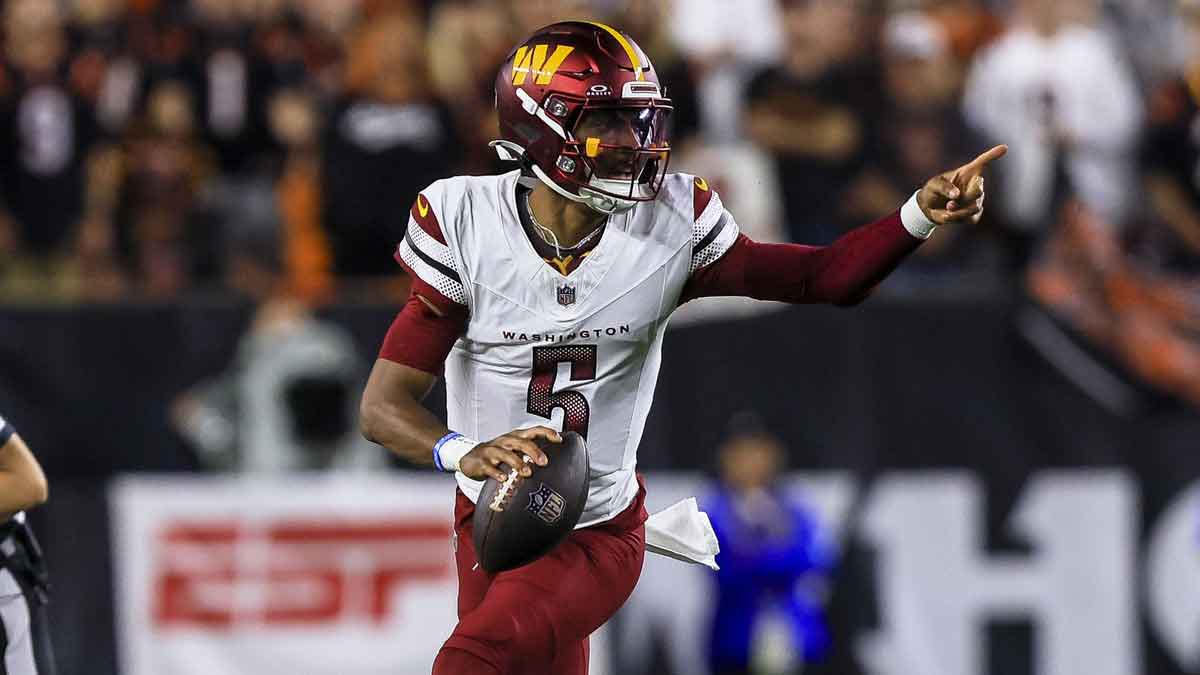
48	132
231	86
806	114
384	142
163	245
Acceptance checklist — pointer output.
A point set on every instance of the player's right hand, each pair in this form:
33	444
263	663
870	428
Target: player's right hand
484	459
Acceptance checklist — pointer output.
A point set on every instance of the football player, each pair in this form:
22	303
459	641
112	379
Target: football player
24	633
543	294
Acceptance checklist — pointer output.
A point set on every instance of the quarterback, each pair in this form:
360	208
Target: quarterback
542	296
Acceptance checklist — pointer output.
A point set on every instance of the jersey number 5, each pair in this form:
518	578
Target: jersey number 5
542	397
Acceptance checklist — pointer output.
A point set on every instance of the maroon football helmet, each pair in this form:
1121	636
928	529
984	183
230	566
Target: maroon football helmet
581	107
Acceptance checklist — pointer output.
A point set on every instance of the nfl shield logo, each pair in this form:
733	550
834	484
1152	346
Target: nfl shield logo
566	295
546	504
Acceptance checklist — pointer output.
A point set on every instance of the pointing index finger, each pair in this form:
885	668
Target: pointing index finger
975	167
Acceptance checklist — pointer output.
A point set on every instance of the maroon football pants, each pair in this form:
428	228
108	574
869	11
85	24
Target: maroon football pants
535	620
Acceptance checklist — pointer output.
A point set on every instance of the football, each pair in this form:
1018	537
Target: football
523	519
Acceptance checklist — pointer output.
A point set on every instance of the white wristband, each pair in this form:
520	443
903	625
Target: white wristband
914	219
450	450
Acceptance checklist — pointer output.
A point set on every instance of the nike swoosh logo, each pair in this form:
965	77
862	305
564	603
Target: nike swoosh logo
701	183
422	206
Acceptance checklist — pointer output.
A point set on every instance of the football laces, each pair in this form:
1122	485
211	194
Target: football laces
507	489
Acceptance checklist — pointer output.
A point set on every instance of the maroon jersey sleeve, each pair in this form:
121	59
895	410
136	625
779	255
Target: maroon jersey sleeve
425	329
843	273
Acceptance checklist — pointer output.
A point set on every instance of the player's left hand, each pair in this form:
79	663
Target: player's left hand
957	196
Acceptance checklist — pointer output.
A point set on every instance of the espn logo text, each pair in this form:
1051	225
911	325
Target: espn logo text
221	574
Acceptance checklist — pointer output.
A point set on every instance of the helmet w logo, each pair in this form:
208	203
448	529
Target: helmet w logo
534	61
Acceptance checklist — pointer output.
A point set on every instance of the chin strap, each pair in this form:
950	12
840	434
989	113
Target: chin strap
507	150
511	152
602	203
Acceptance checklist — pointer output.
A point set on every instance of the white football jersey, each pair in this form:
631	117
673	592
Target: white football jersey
578	352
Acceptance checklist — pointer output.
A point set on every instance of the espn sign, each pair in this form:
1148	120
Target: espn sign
312	574
221	574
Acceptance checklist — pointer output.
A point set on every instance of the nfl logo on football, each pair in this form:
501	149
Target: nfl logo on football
566	295
544	502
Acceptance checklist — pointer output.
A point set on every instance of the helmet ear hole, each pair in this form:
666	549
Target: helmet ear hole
565	164
556	107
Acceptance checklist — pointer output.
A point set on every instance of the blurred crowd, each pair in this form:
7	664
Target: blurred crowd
160	147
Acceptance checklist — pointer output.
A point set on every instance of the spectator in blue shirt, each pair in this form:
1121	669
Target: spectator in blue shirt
773	559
